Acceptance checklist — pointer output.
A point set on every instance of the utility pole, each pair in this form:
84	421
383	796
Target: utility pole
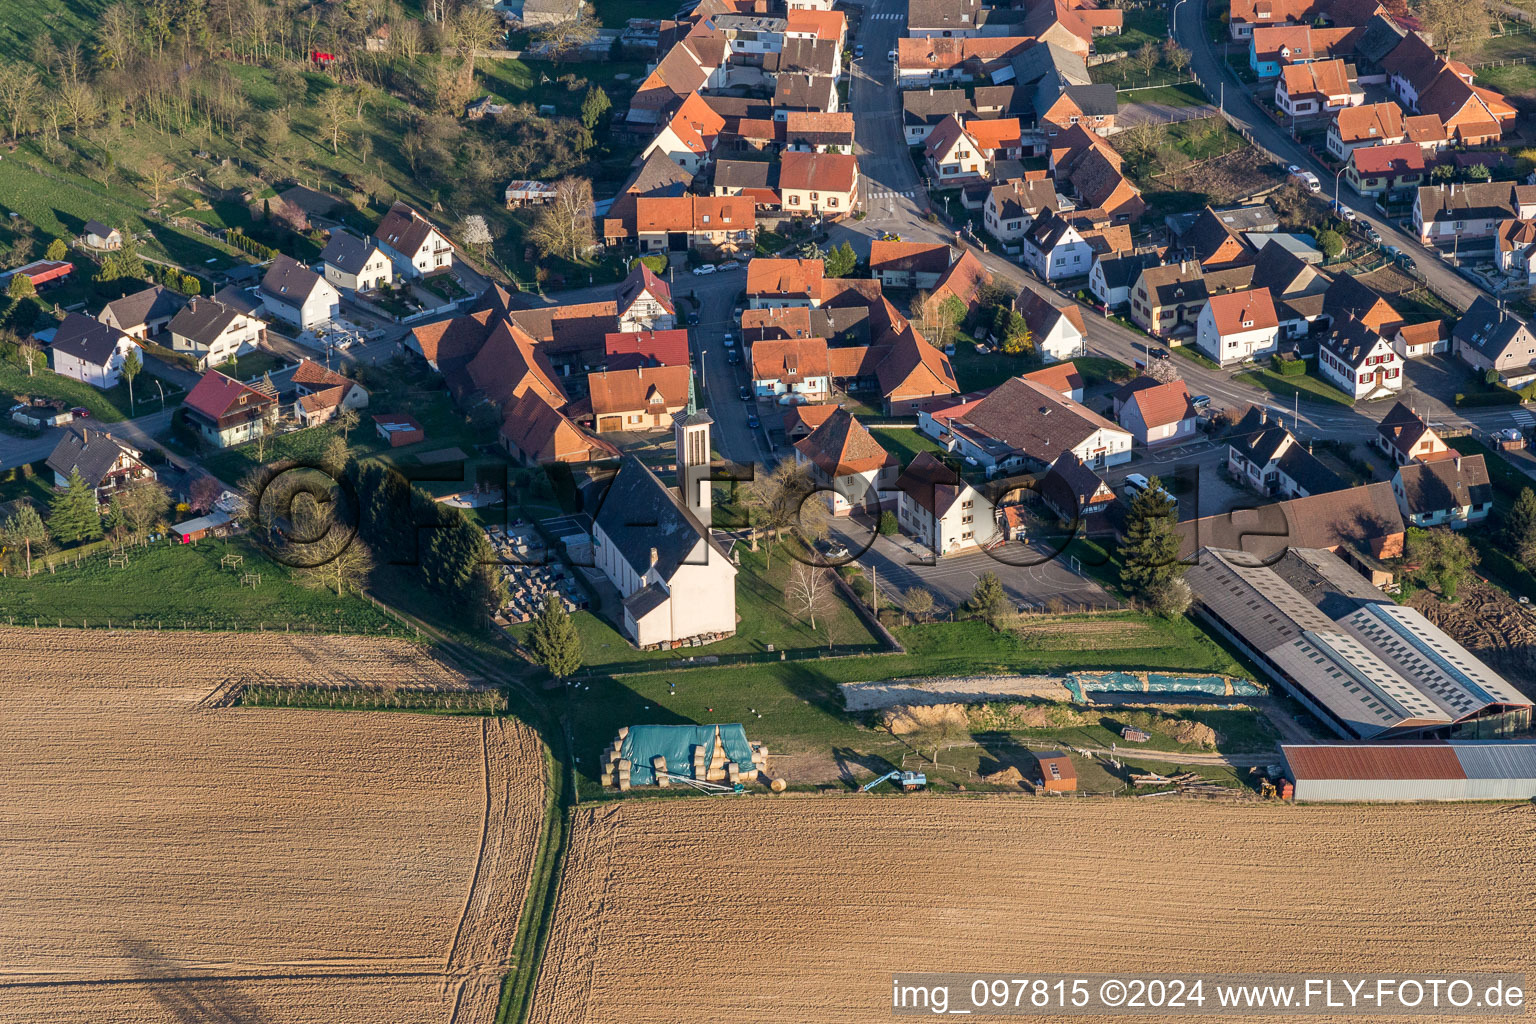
29	558
874	591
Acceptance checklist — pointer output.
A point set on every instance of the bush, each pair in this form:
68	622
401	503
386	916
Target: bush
658	264
1289	367
888	524
1498	395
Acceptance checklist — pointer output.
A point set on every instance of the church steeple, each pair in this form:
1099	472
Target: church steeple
691	434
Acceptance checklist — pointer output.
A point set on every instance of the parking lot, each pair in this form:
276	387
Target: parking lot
1031	577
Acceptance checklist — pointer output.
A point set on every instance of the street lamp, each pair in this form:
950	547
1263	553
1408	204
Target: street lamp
1173	16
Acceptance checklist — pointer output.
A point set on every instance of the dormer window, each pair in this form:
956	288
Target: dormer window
1247	323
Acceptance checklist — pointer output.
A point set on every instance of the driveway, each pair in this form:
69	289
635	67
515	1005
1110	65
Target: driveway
1032	581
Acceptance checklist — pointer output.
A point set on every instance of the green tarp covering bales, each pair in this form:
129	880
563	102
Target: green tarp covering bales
676	743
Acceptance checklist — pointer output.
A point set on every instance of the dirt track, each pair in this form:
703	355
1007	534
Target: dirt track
800	909
166	861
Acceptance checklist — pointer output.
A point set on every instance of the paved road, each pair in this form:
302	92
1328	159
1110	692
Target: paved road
140	432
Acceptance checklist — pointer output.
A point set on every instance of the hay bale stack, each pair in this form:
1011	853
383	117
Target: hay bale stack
605	779
659	766
623	731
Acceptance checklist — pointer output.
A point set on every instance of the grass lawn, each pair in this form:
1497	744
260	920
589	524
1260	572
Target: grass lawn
1186	95
1101	369
905	444
34	481
171	583
108	406
252	364
1497	564
765	619
1306	385
975	370
1142	26
1197	357
537	82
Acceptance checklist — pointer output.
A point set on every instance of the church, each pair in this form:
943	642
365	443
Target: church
654	543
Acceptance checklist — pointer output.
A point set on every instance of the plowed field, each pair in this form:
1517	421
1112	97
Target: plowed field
800	909
164	860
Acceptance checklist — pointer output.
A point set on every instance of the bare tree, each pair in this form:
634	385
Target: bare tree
564	226
157	174
570	34
20	91
344	563
808	591
782	498
346	420
336	116
941	732
29	352
918	602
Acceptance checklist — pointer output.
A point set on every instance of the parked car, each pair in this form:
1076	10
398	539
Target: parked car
81	412
1342	210
891	56
1372	234
832	549
1200	401
733	358
729	265
729	339
703	268
692	319
1134	484
745	392
858	50
752	420
791	398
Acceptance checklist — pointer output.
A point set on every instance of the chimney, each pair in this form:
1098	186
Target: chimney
655	557
1264	416
1458	463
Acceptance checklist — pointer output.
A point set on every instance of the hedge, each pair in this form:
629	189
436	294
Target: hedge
1496	395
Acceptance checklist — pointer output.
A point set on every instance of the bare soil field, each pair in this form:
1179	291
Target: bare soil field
800	908
164	859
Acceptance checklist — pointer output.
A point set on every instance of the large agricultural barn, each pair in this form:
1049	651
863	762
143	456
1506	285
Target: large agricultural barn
1367	666
1458	770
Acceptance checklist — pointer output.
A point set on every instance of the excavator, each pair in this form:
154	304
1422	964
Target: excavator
908	781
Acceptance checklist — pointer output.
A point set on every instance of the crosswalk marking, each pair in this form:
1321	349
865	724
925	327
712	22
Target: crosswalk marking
1524	417
887	16
888	194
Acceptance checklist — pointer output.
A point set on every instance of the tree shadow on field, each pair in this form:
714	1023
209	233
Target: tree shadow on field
1002	751
846	759
190	999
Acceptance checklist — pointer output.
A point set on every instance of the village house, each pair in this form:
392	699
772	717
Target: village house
105	463
689	136
776	283
535	432
1489	337
1013	206
1269	459
417	247
923	110
1063	378
213	332
800	93
1056	327
958	19
226	413
1113	274
1404	437
87	350
1415	341
1168	299
935	506
293	293
1024	424
1103	192
921	63
909	264
756	179
654	543
1371	124
825	184
144	313
1272	47
1156	413
954	156
645	398
320	393
791	366
1359	362
1513	251
1237	327
1454	492
355	264
625	350
1385	170
718	224
1073	491
643	302
963	282
817	131
844	458
1000	138
1304	90
1446	215
1056	250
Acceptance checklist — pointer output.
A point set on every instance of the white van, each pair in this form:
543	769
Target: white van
1135	483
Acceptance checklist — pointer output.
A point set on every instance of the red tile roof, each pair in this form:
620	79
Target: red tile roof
1163	404
216	394
1402	158
634	390
628	349
1375	761
920	257
791	278
842	446
1235	312
790	360
1063	378
829	172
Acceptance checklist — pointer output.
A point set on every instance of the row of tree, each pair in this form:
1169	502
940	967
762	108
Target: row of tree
75	517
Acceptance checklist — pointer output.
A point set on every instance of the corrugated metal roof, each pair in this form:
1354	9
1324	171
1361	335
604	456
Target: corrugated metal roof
1494	759
1358	761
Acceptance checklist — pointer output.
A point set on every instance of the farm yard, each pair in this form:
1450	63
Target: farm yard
810	903
172	859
